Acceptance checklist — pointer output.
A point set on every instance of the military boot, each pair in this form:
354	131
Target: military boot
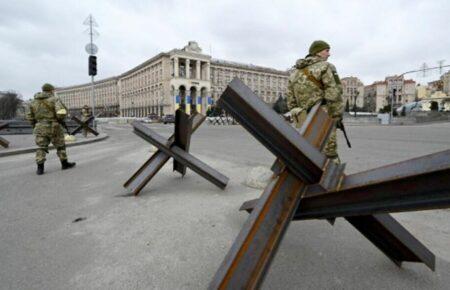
66	164
40	169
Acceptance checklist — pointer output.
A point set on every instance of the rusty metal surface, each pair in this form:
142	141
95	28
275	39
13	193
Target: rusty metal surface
4	142
272	131
249	258
246	263
317	126
393	239
180	155
332	176
417	184
183	131
84	125
149	169
146	172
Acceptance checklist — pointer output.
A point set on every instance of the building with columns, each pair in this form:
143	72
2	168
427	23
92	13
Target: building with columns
179	78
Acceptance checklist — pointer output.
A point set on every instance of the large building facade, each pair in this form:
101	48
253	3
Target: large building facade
353	92
180	78
393	89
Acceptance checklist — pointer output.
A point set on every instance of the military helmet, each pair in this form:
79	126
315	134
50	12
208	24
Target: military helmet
47	87
318	46
86	107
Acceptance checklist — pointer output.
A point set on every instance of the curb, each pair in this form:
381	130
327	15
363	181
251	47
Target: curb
101	137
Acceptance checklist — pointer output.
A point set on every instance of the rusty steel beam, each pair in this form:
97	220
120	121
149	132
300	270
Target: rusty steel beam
246	263
418	184
393	239
149	169
249	258
3	142
300	156
84	125
183	131
180	155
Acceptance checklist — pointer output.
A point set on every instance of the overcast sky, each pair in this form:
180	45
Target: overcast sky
43	41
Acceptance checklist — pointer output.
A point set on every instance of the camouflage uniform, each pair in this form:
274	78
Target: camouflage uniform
304	93
85	114
43	114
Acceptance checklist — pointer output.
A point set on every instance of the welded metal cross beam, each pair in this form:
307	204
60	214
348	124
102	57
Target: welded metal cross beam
417	184
184	125
299	168
84	125
246	263
177	147
3	141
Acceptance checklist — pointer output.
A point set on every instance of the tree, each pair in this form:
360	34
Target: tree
385	109
9	103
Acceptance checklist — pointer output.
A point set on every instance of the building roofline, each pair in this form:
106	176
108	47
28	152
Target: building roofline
57	89
145	63
215	61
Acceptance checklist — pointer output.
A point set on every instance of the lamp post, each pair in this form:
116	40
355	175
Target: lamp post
92	50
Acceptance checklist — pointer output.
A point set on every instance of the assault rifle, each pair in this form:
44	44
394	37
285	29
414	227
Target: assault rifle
341	127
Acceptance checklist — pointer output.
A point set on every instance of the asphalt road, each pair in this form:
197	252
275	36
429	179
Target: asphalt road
177	232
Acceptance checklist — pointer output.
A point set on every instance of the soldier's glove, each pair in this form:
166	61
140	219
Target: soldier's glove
295	115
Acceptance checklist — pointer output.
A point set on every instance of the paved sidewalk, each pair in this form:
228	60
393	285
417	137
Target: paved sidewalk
19	144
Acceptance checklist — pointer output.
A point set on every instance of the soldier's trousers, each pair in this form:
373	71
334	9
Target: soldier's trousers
330	149
46	134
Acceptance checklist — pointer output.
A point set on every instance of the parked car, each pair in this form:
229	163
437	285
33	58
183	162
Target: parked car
151	118
169	118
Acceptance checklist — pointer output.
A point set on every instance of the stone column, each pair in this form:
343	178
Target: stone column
208	73
197	70
175	68
188	73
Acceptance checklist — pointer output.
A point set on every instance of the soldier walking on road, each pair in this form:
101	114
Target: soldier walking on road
85	114
45	113
314	80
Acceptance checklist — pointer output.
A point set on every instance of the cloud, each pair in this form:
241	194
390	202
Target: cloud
44	41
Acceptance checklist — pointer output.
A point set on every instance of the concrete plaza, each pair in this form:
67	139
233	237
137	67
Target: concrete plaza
175	234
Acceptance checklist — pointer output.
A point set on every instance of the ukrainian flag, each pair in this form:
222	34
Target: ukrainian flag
177	102
199	104
188	105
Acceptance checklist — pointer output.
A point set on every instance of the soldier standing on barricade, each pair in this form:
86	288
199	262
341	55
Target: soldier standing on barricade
85	114
314	80
46	114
